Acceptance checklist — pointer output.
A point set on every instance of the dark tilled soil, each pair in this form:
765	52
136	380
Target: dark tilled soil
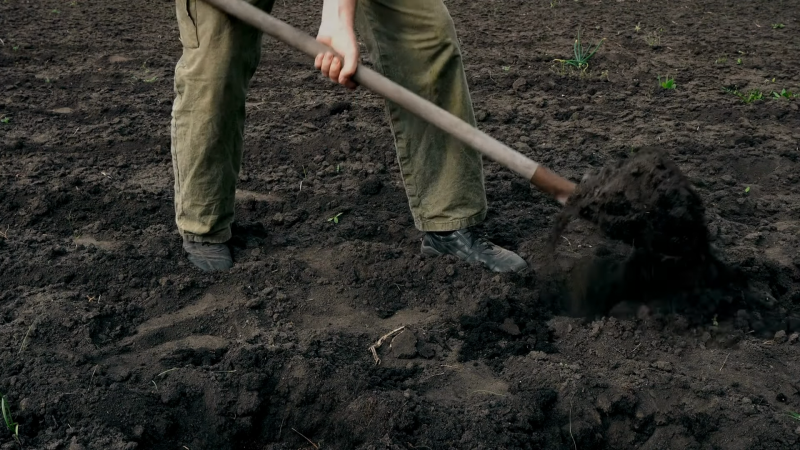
110	340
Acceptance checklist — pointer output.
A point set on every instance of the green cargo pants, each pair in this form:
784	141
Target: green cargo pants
412	42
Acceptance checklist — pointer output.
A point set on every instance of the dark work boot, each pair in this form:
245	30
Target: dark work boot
470	247
209	257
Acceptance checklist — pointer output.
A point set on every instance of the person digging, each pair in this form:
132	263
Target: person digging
412	42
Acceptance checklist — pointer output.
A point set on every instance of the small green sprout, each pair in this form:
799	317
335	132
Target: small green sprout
581	54
5	119
55	11
150	80
638	27
747	190
714	321
739	61
15	48
794	415
335	219
668	83
338	168
506	68
783	94
12	426
777	26
721	60
751	95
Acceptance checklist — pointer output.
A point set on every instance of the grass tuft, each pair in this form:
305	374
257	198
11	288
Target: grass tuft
668	83
581	54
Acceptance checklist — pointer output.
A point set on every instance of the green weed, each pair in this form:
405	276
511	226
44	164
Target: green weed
638	27
721	60
581	54
777	26
15	48
5	119
784	94
12	426
747	190
751	95
794	415
739	61
335	219
668	83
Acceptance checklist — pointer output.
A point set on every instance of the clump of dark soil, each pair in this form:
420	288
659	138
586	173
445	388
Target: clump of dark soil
506	324
646	202
663	257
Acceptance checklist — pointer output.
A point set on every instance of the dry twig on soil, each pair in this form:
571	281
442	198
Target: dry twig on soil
374	347
25	340
574	444
304	437
723	362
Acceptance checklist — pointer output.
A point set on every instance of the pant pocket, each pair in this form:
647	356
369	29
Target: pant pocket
186	11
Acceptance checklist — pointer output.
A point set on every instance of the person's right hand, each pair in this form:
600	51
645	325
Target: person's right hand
342	39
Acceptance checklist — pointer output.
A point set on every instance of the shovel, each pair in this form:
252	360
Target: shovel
543	179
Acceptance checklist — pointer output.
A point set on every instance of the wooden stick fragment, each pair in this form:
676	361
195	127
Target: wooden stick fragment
374	347
309	440
723	362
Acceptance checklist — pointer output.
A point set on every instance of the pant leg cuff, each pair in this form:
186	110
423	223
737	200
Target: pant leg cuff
219	237
450	225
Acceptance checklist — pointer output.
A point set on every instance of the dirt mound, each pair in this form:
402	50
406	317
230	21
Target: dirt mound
666	261
646	202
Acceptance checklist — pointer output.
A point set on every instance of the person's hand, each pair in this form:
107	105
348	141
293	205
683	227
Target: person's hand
342	39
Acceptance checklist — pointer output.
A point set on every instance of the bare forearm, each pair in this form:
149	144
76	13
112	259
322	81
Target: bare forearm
340	12
336	31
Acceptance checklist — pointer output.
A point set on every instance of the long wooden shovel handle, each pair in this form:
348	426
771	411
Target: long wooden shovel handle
539	176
